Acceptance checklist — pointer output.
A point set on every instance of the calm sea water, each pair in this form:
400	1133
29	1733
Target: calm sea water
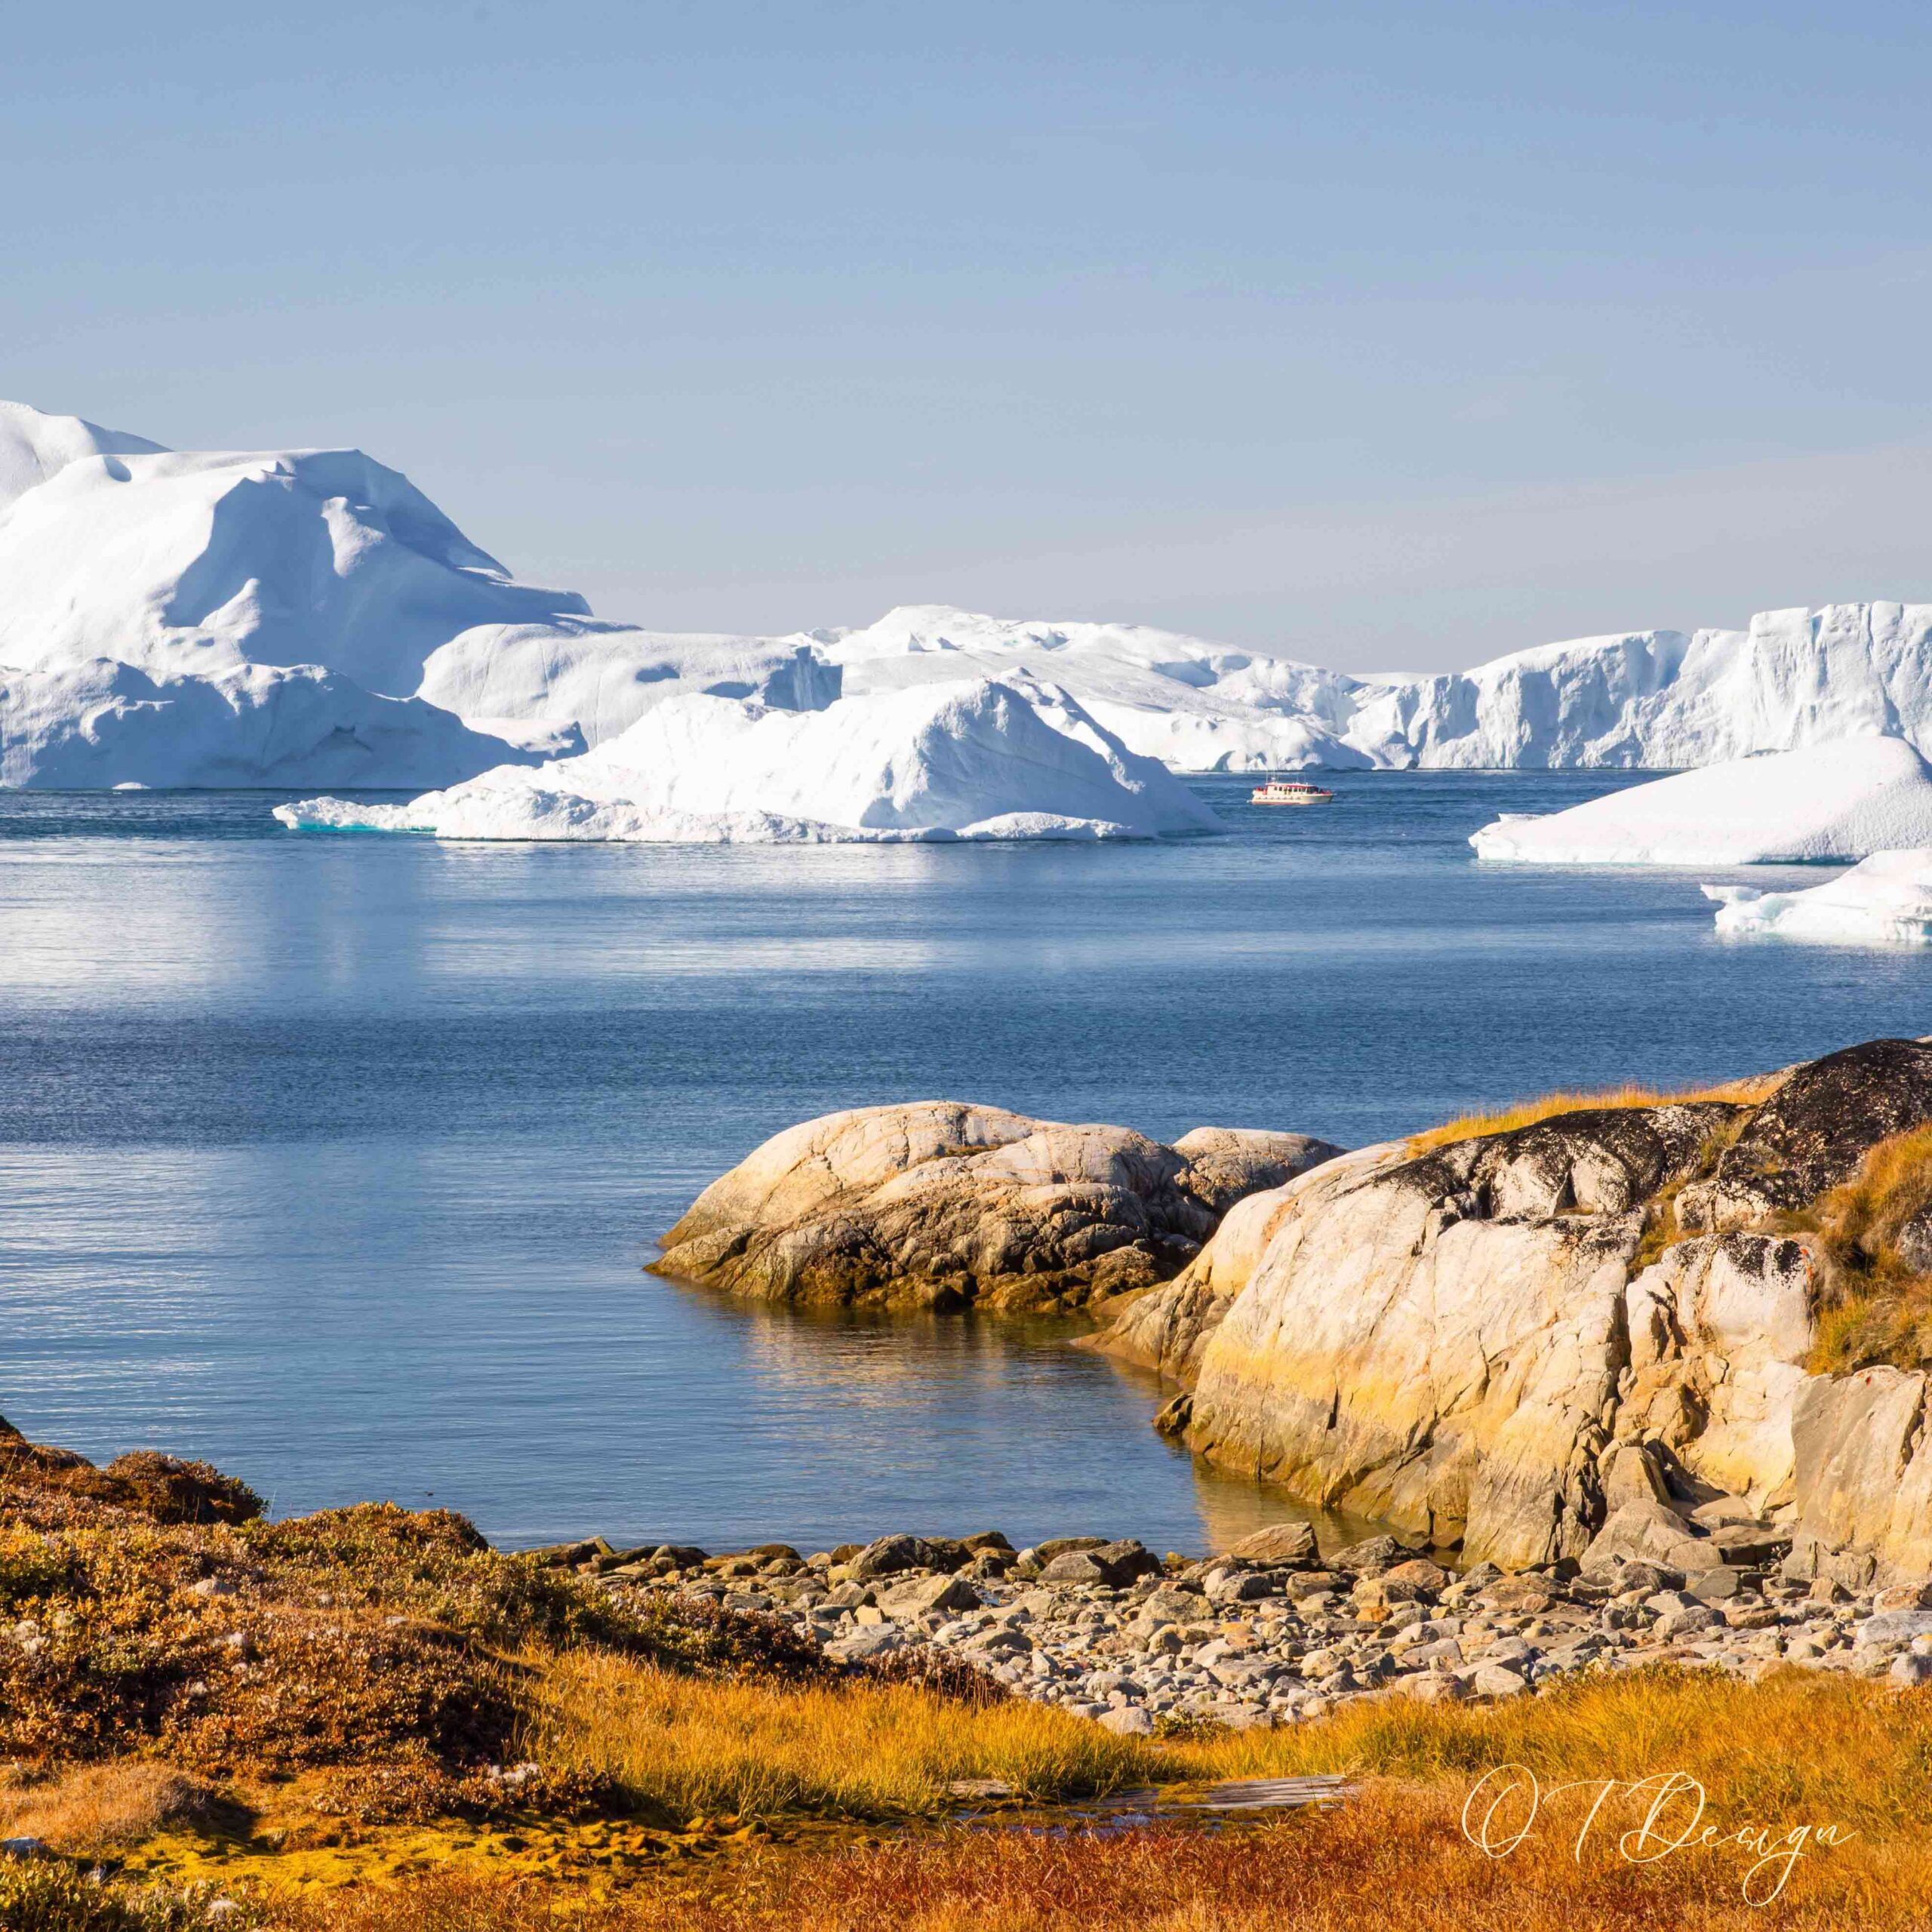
336	1159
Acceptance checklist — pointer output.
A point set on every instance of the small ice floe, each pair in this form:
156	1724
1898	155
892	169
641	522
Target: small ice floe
1842	801
1884	900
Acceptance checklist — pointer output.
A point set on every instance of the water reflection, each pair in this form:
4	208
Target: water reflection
336	1161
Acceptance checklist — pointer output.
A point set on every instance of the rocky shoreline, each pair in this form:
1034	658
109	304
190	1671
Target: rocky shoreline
1273	1632
1663	1326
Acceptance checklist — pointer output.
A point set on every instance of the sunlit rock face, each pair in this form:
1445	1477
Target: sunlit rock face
1461	1342
940	1203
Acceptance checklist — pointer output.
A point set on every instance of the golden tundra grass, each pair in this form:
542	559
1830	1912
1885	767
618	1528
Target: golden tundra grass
1795	1750
1878	1309
96	1807
691	1748
1526	1113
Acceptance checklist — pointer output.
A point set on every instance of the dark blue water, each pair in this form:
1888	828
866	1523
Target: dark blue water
336	1159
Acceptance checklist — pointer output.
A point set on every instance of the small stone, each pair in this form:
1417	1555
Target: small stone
885	1557
1910	1670
1525	1596
212	1586
1128	1721
1903	1596
1246	1586
1895	1627
1370	1556
1284	1543
1043	1553
1715	1585
1314	1583
865	1645
930	1593
1686	1623
1492	1680
24	1848
1166	1605
1418	1572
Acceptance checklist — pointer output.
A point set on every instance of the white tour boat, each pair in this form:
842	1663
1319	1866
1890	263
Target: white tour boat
1289	792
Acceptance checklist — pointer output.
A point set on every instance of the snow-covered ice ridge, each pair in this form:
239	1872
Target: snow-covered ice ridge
309	617
979	759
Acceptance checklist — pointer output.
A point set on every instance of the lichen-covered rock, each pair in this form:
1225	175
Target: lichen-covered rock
1811	1134
939	1203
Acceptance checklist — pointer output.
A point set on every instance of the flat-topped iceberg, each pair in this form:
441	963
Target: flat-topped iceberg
1884	900
1842	801
983	760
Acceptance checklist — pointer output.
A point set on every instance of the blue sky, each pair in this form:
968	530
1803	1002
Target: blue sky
1390	335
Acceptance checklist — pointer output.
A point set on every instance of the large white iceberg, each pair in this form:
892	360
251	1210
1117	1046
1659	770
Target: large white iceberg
978	760
1885	900
580	677
1660	700
331	568
98	724
1196	706
1840	800
1644	698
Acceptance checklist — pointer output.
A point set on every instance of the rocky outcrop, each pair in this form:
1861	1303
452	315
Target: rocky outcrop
1812	1132
1495	1340
1166	1329
1863	1476
938	1205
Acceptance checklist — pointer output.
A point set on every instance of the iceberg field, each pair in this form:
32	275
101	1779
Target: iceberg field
1842	801
976	760
310	616
1885	900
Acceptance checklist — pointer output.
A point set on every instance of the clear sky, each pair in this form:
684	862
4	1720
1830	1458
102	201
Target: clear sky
1394	336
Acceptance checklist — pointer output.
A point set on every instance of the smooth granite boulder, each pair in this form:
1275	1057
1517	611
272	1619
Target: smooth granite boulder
939	1205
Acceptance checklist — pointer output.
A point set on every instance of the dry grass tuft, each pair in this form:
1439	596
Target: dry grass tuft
1878	1306
1866	1756
1526	1113
685	1748
94	1807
